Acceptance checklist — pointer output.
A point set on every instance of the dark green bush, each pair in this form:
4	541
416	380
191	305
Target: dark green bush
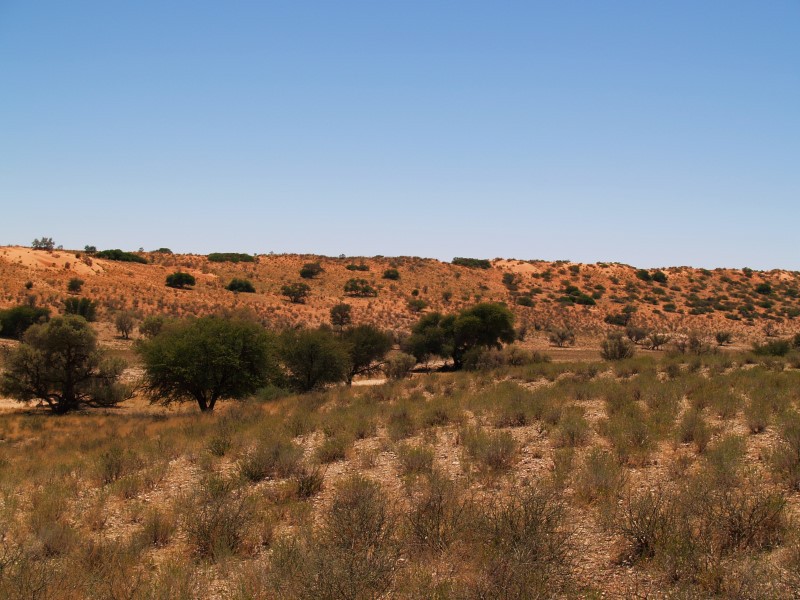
234	257
82	307
119	255
472	263
392	274
311	270
15	321
180	280
241	285
360	288
357	267
296	292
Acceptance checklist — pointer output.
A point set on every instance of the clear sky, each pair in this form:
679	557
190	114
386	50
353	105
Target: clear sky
651	133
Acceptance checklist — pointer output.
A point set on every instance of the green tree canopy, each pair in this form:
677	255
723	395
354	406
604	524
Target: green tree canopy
207	360
313	358
341	315
180	280
488	325
59	363
360	288
311	270
241	285
367	347
16	320
296	292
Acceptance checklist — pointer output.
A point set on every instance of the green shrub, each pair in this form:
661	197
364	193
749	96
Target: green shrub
357	267
472	263
119	255
296	292
82	307
311	270
179	280
74	285
359	288
241	285
15	321
772	348
234	257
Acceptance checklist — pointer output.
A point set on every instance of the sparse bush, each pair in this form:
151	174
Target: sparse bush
562	337
415	460
392	274
341	316
216	519
493	452
438	514
124	322
615	347
274	457
152	325
723	337
601	477
360	288
399	365
694	429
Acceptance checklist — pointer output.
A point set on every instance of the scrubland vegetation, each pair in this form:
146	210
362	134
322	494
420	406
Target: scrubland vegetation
644	477
212	456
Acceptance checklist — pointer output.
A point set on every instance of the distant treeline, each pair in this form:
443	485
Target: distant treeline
472	263
119	255
233	257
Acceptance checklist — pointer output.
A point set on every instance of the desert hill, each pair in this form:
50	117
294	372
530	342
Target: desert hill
543	295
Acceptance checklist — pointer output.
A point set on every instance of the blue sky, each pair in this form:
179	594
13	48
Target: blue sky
651	133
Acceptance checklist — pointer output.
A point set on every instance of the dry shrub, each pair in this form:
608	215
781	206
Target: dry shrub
354	553
438	515
216	519
274	457
415	460
525	547
492	451
601	478
573	428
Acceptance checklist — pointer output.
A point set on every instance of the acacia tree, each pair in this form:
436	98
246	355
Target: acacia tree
487	325
124	322
340	316
313	358
59	364
296	292
207	360
367	347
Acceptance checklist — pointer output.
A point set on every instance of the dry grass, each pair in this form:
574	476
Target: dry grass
545	480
